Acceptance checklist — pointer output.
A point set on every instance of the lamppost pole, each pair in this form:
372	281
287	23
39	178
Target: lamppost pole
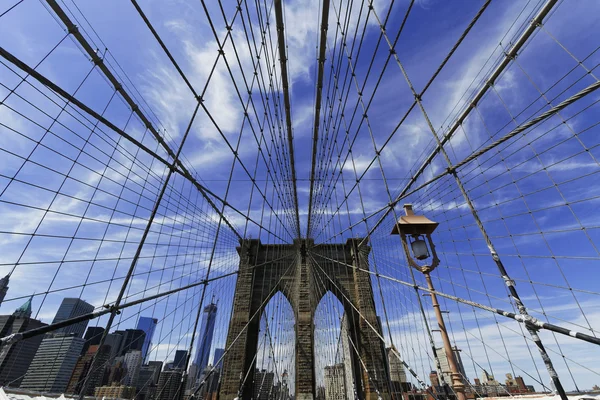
457	381
418	226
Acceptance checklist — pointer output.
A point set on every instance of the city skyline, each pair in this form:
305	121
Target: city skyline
49	374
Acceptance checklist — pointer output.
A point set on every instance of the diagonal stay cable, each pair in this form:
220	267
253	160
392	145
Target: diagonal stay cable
523	127
315	140
199	98
73	29
529	124
286	99
527	320
508	57
406	114
180	169
220	45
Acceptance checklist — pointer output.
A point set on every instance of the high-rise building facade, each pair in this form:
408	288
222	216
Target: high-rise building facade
133	362
168	385
445	366
82	369
133	339
398	382
346	357
180	357
15	358
148	379
335	383
210	388
115	341
146	388
158	366
116	373
205	337
148	325
192	373
282	388
53	364
71	308
4	287
263	384
396	368
218	356
92	337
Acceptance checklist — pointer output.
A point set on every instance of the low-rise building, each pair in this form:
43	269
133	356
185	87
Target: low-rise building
115	392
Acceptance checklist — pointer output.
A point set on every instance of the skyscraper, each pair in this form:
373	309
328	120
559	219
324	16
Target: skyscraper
192	373
115	341
335	383
116	373
282	388
205	337
133	362
445	366
397	373
92	337
179	361
82	368
396	367
218	356
263	384
148	325
148	379
53	364
346	356
71	308
168	385
210	388
3	287
15	358
133	339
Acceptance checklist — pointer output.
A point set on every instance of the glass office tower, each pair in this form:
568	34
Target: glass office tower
205	337
148	325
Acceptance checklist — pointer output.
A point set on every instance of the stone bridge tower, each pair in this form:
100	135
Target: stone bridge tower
304	277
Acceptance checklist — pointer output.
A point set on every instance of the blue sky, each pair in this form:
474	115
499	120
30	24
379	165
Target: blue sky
515	196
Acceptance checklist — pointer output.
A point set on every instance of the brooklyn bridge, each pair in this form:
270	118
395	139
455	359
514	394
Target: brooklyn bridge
299	199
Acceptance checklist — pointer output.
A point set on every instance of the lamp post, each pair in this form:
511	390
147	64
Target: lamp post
414	229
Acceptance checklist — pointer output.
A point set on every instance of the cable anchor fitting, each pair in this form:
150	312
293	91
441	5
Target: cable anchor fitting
529	321
10	339
510	56
112	309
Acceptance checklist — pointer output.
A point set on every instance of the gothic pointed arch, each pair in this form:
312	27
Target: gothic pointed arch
298	271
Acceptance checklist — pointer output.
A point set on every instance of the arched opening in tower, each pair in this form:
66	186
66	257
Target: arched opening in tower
333	350
274	373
